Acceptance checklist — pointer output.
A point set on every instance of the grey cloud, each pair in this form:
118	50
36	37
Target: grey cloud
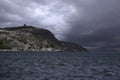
16	12
96	24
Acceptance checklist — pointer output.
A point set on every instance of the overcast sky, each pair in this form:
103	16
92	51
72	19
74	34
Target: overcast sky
94	24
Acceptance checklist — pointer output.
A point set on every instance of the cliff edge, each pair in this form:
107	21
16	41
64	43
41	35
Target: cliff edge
29	38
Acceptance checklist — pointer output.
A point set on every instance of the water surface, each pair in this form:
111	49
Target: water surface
59	66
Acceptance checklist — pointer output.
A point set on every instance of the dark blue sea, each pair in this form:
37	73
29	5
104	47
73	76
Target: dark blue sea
59	66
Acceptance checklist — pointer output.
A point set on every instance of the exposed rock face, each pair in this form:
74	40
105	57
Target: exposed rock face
28	38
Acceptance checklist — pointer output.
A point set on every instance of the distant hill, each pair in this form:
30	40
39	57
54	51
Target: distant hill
29	38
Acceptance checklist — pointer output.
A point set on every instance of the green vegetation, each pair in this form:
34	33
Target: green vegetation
4	44
4	33
22	39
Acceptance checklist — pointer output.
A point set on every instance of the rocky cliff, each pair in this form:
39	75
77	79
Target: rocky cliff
28	38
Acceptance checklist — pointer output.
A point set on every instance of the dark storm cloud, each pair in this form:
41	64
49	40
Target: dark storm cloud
93	23
102	39
96	25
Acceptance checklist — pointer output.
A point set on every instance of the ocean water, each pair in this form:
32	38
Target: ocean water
59	66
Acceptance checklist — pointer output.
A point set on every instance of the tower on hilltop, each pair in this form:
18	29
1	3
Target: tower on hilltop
25	25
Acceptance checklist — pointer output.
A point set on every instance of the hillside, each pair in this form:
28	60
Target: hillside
29	38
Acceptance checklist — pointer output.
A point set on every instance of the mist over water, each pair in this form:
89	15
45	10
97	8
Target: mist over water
59	66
